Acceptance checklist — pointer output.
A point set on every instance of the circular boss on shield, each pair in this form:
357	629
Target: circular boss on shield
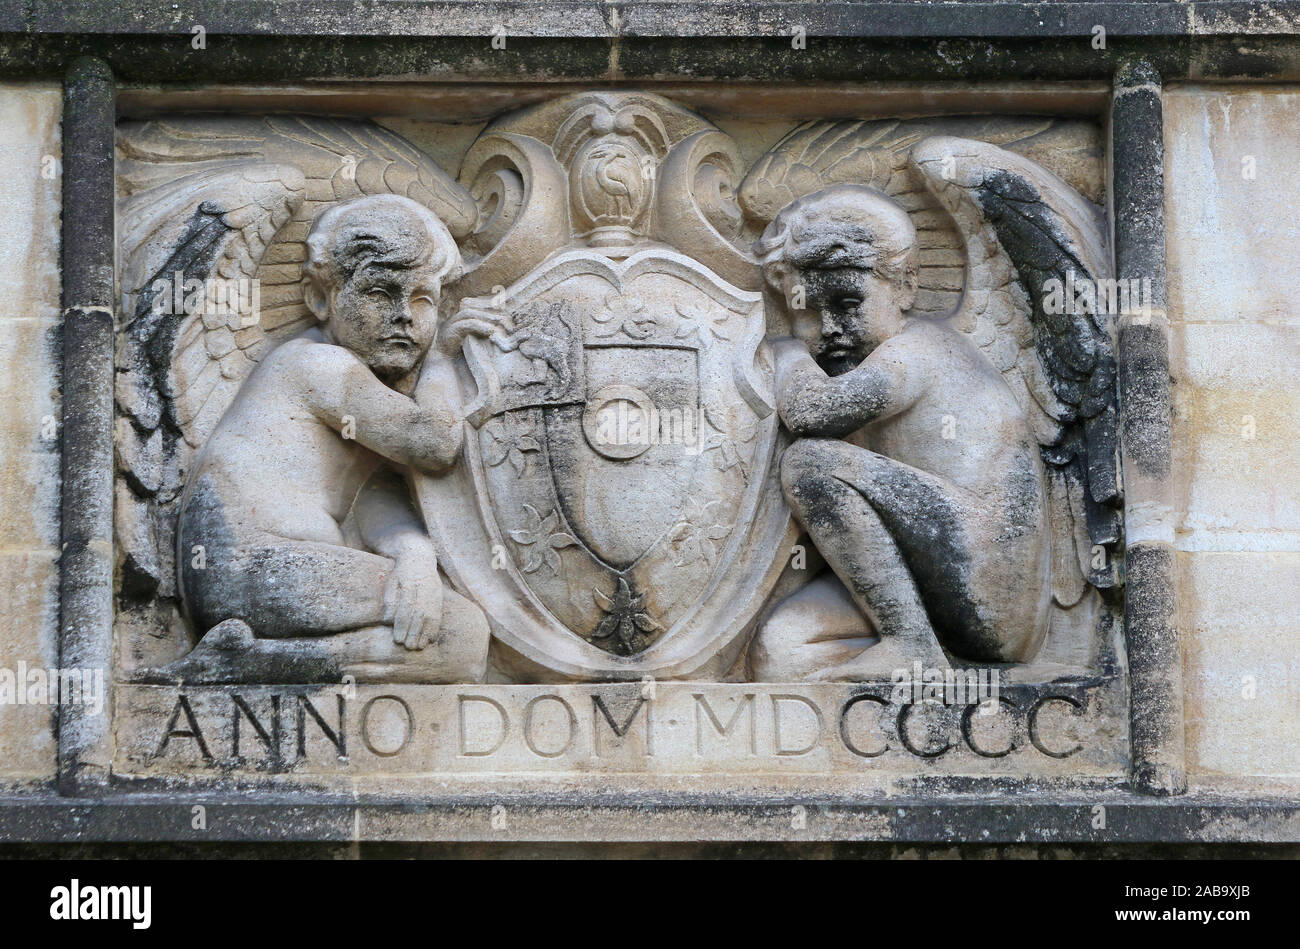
617	422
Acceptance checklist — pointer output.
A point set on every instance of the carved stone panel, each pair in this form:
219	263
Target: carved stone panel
611	452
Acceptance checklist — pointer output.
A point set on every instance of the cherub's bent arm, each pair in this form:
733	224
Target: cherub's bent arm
813	403
421	432
385	517
413	596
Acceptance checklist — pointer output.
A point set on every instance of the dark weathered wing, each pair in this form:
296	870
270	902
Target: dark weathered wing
211	229
1030	239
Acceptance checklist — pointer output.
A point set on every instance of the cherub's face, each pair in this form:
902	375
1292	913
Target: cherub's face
387	316
847	312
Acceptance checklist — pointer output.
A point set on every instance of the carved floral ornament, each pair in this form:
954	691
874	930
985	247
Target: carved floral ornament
612	404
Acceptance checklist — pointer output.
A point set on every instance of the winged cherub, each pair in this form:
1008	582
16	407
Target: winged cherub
296	501
927	465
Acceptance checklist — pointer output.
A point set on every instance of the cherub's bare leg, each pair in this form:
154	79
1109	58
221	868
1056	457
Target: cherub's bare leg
980	564
313	612
921	554
822	479
288	588
229	652
458	654
273	609
910	545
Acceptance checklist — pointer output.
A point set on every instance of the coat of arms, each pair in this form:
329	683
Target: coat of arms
621	462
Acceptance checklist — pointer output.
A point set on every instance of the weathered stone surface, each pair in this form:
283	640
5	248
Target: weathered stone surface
574	356
1243	674
31	162
648	198
1216	564
29	433
86	560
28	625
1231	153
1237	406
1233	207
29	418
966	40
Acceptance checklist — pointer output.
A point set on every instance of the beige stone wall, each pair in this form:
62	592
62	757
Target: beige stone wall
1233	197
29	409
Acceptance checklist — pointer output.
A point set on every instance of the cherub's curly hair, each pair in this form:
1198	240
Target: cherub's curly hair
842	226
385	230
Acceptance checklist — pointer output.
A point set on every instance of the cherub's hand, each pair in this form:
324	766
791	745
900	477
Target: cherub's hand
468	322
413	597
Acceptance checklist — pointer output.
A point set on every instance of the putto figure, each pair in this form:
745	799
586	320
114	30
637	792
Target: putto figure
926	481
295	525
948	506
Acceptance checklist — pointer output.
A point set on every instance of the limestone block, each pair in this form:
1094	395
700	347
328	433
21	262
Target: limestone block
1236	407
1233	211
29	417
1242	662
29	414
29	591
29	177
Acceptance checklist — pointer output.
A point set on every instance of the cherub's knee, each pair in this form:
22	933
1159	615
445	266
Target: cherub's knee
811	477
808	463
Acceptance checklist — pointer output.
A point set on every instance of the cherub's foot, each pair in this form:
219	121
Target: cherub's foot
230	653
882	660
459	654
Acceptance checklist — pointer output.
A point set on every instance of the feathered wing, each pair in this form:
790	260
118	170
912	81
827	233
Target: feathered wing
210	205
188	342
1023	228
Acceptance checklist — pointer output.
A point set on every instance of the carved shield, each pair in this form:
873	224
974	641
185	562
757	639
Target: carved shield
620	463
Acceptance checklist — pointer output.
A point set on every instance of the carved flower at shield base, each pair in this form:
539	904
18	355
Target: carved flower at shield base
695	534
625	620
510	436
541	540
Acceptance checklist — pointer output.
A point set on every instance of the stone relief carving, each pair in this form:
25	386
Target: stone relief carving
965	540
611	405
